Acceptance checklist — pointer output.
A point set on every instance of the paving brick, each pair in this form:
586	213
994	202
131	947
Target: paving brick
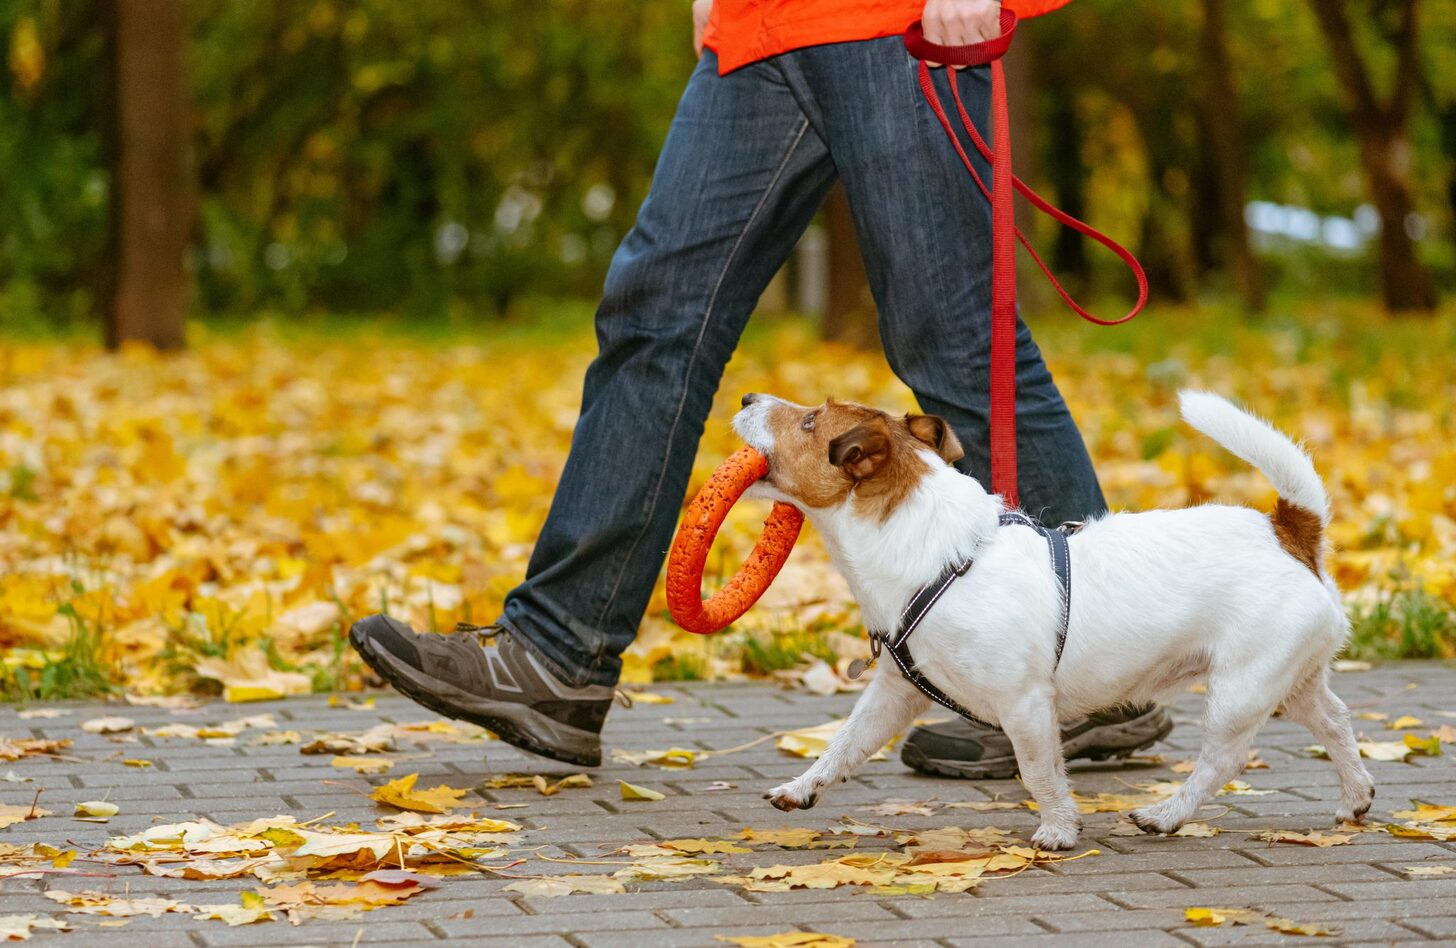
1326	874
365	931
1114	921
1133	893
1123	939
559	922
1226	895
675	937
977	906
856	912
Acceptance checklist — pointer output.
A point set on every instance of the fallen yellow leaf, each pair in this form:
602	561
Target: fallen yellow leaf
401	793
649	697
793	939
110	725
552	886
21	927
363	765
1321	840
1427	871
16	814
631	791
699	846
97	810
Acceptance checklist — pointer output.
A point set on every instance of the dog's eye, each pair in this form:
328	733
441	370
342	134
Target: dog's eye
808	423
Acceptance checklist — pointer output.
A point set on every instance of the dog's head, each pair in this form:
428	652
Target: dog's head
818	457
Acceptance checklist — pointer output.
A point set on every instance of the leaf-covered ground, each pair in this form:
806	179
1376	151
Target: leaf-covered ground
215	519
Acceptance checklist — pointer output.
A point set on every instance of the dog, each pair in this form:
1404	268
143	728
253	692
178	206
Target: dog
1158	600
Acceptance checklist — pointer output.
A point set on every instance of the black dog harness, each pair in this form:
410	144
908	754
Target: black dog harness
898	643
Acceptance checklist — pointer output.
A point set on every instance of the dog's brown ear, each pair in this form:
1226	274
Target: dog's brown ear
936	433
862	451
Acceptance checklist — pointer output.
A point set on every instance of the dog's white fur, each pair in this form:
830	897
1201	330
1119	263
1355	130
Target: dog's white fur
1159	599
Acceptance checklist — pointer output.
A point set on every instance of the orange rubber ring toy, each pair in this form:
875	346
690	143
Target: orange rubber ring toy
694	539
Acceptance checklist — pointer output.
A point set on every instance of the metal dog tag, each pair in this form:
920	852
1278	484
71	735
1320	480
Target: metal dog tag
858	667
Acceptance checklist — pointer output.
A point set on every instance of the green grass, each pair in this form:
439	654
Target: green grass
763	655
1405	623
680	668
79	671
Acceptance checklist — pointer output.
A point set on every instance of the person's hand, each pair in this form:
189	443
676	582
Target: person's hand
959	22
701	10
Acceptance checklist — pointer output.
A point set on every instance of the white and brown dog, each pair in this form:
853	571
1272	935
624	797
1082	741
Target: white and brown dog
1160	599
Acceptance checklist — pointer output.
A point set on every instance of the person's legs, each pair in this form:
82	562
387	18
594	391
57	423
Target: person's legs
925	232
740	176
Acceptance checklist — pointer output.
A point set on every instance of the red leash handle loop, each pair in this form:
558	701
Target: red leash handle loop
1004	232
973	54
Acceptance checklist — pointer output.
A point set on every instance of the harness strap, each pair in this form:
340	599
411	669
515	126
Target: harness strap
920	604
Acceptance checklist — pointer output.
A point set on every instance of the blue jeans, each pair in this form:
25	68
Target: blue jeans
746	164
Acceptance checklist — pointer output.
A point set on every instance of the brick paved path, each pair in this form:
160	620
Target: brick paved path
1133	893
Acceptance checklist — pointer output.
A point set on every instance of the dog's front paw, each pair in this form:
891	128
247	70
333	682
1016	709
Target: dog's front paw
1155	819
1054	837
791	796
1356	803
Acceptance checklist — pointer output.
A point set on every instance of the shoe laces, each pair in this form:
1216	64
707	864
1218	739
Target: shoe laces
482	631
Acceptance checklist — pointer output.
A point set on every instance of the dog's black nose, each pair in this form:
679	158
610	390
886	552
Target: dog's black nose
749	399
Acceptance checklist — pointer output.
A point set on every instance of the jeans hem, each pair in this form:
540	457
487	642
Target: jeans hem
573	669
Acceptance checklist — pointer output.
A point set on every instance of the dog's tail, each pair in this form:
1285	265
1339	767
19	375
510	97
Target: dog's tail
1303	510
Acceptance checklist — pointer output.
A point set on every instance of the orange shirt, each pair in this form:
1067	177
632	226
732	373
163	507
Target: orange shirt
745	31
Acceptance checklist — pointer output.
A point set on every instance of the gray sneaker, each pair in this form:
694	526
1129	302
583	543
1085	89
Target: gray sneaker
505	689
958	748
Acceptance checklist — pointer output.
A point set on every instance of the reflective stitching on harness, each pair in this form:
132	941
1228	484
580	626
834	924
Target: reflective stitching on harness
946	580
928	595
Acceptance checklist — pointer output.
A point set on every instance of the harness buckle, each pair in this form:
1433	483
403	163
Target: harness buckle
859	666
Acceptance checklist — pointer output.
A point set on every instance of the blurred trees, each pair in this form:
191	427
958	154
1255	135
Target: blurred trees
1382	129
367	155
151	196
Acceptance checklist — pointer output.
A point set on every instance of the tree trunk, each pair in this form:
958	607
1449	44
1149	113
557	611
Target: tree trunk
1405	283
151	202
849	312
1033	293
1381	129
1205	224
1221	119
1068	176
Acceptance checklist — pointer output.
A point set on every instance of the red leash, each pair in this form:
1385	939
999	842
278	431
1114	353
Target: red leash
1004	231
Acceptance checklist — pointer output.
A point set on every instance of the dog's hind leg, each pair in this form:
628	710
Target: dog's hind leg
886	708
1232	715
1314	705
1031	724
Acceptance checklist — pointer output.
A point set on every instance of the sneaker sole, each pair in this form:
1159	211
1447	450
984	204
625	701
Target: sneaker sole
513	723
1106	742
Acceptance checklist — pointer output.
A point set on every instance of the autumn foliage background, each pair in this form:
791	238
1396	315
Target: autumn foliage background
398	217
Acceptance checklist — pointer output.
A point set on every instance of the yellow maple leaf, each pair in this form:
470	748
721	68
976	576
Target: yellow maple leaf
650	697
1426	746
698	846
401	793
1321	840
793	939
552	886
363	765
10	814
631	791
787	837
